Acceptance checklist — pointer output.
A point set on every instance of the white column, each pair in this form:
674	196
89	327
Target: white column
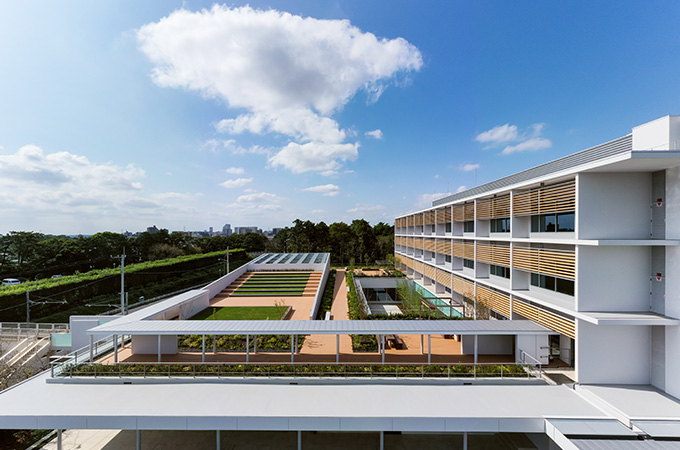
91	348
429	348
476	349
215	344
159	348
465	440
422	347
299	440
247	348
218	444
382	440
382	338
115	348
337	349
139	439
255	345
59	439
292	351
203	349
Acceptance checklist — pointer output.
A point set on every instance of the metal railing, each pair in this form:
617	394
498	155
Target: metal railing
33	329
82	356
532	363
299	370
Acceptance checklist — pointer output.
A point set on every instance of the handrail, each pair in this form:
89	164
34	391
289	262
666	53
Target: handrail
212	369
536	362
33	329
82	355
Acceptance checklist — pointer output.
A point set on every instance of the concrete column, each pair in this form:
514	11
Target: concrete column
429	348
247	348
203	349
159	348
476	343
337	349
382	339
139	439
115	348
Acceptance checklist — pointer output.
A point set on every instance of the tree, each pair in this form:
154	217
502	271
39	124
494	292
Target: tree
342	241
365	240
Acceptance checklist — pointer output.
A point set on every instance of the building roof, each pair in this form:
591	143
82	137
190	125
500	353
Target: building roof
621	145
298	327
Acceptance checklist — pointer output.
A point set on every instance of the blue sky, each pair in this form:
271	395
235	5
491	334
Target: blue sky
118	115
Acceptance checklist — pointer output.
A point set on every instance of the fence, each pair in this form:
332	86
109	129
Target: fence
84	355
299	370
32	329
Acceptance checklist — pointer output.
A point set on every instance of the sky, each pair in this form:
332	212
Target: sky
120	115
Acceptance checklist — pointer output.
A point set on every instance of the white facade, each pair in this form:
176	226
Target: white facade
592	233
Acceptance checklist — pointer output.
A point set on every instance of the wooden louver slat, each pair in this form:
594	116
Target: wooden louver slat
429	245
557	198
548	262
470	211
443	278
463	286
501	206
494	300
428	218
418	219
494	254
444	246
556	323
525	203
458	213
418	243
484	209
429	271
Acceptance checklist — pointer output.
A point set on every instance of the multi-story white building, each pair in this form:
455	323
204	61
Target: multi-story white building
586	245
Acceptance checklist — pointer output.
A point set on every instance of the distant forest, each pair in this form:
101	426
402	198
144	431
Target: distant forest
27	255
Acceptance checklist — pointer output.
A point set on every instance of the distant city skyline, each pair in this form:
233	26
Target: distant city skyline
115	115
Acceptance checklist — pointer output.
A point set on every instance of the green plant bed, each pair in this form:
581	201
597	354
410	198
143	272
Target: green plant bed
298	370
237	343
242	313
364	343
265	294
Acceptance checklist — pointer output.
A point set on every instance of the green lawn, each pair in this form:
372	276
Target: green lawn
242	313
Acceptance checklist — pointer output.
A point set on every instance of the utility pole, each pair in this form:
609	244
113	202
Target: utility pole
122	281
28	307
227	260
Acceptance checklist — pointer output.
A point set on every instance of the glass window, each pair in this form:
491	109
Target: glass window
470	264
548	223
500	271
500	225
564	286
535	224
469	226
448	227
565	222
535	279
448	258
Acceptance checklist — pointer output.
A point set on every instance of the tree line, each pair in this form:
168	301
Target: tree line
28	255
358	242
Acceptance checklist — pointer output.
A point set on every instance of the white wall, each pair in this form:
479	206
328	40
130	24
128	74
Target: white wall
659	134
612	354
79	326
319	291
613	205
148	345
535	345
672	306
613	278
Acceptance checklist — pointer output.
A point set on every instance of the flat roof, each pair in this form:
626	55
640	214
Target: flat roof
195	404
628	318
227	327
274	259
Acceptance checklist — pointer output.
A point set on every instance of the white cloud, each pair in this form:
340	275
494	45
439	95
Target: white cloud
461	189
499	134
425	200
69	191
314	156
318	211
256	203
235	170
363	208
529	140
469	167
533	144
289	73
238	182
329	190
377	134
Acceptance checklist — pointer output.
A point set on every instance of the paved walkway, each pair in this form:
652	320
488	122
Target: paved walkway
324	344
